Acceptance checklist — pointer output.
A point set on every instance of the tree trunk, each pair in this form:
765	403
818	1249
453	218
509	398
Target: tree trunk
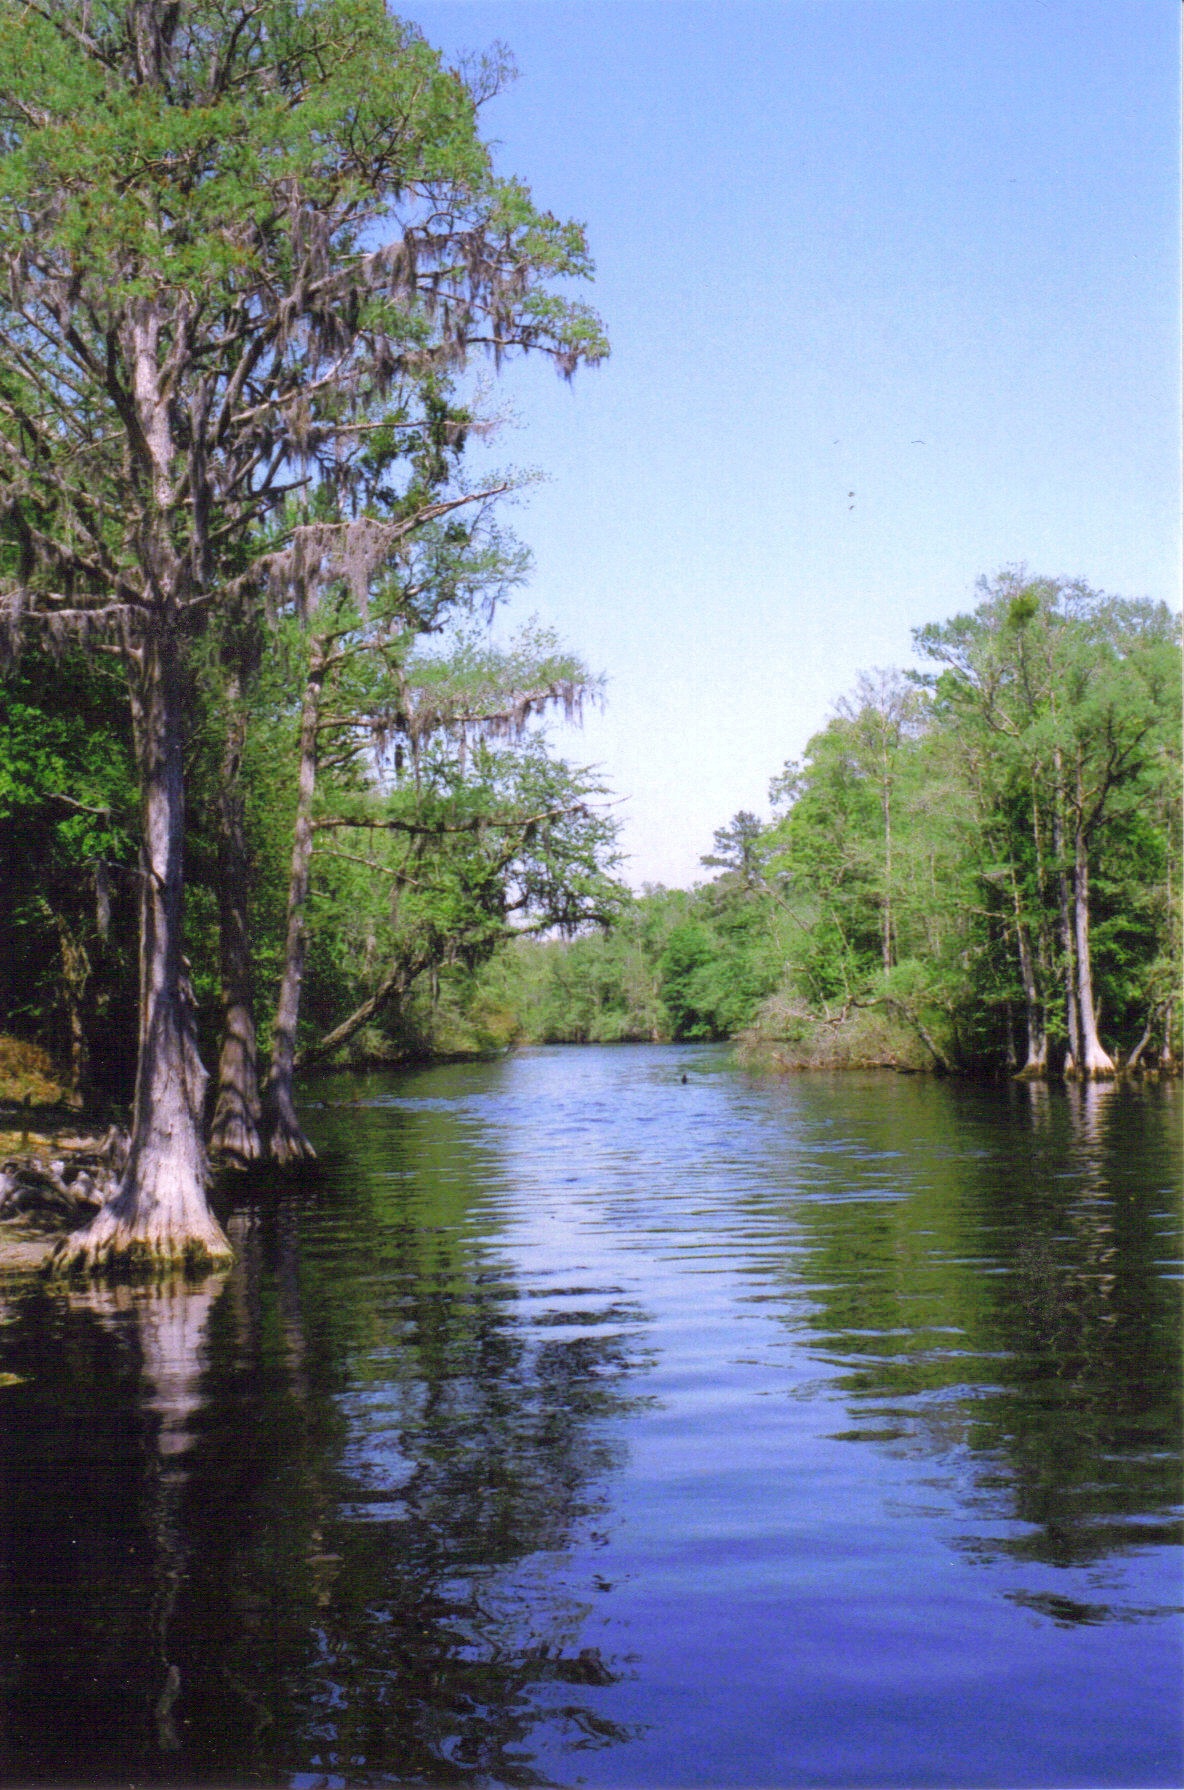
235	1130
393	987
1136	1055
1036	1064
159	1217
1073	1050
286	1141
1166	1059
940	1061
1095	1063
75	981
1009	1039
886	913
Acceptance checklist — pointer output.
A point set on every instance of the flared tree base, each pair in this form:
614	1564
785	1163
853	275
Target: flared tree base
235	1141
1101	1068
111	1246
287	1145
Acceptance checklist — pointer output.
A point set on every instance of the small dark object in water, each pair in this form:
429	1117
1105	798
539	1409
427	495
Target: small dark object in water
684	1081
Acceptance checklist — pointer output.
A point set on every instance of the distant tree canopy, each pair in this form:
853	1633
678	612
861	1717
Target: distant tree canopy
977	866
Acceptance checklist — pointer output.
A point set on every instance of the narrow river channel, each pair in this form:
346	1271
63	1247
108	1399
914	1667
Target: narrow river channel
604	1416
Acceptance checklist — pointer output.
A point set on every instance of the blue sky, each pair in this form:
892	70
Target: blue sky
921	251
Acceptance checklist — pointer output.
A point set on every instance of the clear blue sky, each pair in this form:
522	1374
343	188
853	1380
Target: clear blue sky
922	251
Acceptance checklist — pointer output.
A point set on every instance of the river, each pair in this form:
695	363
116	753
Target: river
604	1416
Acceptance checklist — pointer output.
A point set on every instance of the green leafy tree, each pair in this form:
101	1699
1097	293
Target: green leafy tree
352	651
1004	842
463	833
231	233
739	849
602	987
884	712
1067	703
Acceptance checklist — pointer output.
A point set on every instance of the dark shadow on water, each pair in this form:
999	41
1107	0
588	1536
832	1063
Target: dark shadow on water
235	1549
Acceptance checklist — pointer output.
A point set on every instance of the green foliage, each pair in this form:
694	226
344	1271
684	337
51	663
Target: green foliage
928	826
603	986
739	848
448	828
249	248
878	917
67	860
249	251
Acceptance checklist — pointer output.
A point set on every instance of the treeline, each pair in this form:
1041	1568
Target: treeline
415	832
959	856
974	867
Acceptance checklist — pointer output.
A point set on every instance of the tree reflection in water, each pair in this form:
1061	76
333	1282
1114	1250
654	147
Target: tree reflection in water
339	1519
254	1560
94	1459
167	1321
1012	1320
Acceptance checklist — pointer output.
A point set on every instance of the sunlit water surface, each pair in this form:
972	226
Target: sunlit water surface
603	1416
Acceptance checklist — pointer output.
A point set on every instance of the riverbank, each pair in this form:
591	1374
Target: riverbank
791	1041
54	1174
23	1251
53	1177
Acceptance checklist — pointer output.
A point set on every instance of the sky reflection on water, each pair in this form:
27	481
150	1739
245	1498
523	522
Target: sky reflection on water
572	1424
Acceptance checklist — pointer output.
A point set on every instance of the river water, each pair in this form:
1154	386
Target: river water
602	1416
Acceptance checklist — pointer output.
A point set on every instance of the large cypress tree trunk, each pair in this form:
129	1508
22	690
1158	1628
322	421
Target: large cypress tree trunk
286	1141
1069	956
235	1129
159	1217
1095	1063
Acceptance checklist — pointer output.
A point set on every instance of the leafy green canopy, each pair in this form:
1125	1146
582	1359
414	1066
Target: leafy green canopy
279	216
248	247
459	834
67	859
